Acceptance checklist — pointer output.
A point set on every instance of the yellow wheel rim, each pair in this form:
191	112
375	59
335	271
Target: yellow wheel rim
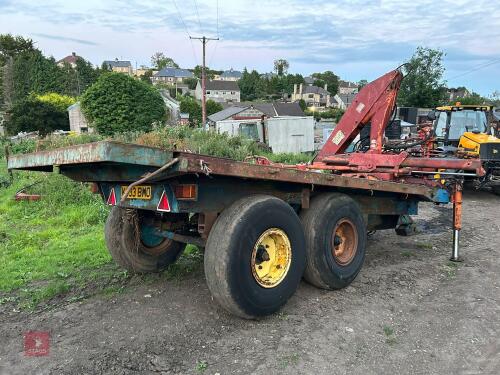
271	258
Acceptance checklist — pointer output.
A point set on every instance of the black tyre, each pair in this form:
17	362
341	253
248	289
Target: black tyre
133	248
335	240
495	189
255	256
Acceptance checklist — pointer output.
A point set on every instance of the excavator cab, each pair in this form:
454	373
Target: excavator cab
464	131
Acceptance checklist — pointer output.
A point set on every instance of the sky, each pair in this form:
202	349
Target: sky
356	39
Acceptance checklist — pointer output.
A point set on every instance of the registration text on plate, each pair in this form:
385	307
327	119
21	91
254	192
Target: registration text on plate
137	192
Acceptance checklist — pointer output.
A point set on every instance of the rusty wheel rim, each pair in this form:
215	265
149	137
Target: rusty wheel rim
344	242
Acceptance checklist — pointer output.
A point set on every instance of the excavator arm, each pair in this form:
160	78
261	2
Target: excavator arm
373	104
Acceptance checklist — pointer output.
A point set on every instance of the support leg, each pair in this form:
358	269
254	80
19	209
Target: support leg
457	221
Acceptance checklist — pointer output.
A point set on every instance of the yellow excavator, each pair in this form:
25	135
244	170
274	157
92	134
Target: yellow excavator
467	131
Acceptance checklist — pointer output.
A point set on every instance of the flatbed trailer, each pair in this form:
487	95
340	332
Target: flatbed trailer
262	227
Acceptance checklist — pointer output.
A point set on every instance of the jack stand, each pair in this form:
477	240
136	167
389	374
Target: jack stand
457	221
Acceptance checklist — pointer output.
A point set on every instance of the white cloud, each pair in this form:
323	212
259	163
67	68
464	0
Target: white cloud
359	38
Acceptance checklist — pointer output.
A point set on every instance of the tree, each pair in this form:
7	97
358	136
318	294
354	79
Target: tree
423	85
472	99
61	102
160	61
191	82
209	73
10	47
31	114
328	78
252	86
281	66
146	77
117	103
302	104
362	83
86	74
213	107
191	106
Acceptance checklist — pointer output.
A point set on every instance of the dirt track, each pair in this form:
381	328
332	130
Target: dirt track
409	311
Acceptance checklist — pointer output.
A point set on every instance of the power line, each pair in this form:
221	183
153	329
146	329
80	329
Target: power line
217	18
217	40
476	68
187	31
197	14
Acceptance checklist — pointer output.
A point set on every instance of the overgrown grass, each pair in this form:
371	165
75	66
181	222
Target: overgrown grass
51	245
54	246
180	138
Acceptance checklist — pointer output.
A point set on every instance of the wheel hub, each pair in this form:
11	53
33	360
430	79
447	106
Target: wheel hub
271	258
344	242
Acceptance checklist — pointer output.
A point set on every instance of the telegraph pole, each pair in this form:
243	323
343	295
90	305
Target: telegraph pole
204	41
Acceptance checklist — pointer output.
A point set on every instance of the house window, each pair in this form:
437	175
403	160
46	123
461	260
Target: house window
311	96
208	92
233	92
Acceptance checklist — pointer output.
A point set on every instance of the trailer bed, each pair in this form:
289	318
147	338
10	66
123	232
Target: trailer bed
116	161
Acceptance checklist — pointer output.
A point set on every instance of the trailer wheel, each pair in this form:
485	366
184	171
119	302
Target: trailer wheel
255	256
134	247
335	241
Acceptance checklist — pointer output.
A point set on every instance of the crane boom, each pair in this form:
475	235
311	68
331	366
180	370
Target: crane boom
373	104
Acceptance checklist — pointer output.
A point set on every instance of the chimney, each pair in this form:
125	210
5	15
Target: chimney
73	53
295	88
300	89
326	87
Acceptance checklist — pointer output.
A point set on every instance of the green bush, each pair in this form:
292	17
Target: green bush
31	114
117	103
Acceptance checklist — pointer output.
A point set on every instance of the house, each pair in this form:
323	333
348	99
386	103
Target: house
230	75
344	100
309	81
219	91
139	72
119	66
172	76
459	92
282	126
184	118
255	111
77	121
70	59
314	96
346	87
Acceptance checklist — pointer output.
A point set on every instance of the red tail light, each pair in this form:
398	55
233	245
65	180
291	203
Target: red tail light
163	204
112	198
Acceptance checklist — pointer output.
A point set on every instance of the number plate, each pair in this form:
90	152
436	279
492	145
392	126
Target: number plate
138	192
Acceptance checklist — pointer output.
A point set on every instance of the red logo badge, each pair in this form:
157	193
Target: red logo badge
36	343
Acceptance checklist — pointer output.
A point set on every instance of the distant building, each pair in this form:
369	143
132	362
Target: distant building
219	91
314	96
139	72
171	75
230	75
119	66
255	111
309	81
344	100
77	121
282	126
459	92
346	87
70	59
184	119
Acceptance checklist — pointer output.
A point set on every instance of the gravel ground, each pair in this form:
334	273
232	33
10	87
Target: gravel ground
409	311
